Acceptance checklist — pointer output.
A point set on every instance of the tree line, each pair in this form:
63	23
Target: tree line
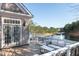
35	28
73	27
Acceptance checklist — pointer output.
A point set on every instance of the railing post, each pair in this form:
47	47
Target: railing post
68	51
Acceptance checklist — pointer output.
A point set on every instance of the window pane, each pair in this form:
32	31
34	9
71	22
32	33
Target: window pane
18	22
16	33
7	34
11	21
5	21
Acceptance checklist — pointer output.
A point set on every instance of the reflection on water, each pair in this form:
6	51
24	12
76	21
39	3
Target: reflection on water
63	36
71	37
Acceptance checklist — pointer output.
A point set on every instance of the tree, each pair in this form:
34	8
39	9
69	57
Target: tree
66	28
74	26
35	28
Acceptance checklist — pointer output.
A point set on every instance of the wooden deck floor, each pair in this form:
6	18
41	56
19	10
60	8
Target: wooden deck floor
26	50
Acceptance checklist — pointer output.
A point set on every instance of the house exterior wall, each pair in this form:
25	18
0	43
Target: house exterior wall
25	19
25	35
24	32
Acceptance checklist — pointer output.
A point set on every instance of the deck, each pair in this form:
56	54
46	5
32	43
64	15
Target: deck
33	49
25	50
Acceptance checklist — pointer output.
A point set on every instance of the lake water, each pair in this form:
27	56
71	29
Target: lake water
60	40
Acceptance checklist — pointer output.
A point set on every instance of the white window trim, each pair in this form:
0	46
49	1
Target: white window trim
2	43
3	18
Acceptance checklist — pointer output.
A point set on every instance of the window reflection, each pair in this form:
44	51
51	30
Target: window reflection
7	34
16	33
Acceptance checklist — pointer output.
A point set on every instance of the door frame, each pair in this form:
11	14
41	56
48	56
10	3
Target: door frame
3	45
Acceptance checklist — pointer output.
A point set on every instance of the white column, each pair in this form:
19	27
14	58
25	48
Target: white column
2	40
20	32
27	23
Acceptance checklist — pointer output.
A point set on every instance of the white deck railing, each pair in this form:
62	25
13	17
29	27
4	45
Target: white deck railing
66	51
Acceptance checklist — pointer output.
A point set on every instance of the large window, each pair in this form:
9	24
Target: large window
11	30
11	33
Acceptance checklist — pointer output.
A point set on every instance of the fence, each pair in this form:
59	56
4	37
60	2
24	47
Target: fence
70	50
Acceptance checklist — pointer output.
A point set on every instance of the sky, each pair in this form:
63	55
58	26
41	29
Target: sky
53	14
